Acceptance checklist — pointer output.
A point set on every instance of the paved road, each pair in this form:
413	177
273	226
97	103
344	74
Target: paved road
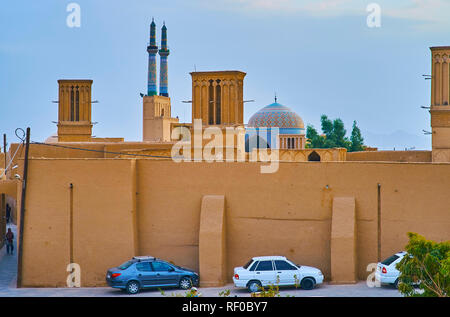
8	265
325	290
8	275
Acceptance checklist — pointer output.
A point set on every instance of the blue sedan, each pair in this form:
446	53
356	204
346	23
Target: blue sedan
147	272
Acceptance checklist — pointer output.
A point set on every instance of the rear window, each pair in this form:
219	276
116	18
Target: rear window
125	265
390	260
248	264
253	266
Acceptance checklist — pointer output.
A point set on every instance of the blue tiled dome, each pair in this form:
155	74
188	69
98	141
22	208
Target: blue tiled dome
276	115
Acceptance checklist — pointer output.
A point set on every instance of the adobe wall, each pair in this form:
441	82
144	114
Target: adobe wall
390	156
101	231
302	155
95	150
286	213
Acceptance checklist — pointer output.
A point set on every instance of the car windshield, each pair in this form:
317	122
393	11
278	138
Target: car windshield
125	265
173	265
297	265
248	264
390	259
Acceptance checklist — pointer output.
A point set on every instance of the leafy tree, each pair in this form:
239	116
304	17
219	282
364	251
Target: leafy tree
327	126
334	135
357	141
338	137
428	264
315	140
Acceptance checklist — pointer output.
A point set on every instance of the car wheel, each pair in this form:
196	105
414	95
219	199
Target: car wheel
132	287
307	283
254	286
185	283
396	283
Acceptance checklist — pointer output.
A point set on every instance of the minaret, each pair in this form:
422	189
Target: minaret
157	119
440	103
152	49
164	53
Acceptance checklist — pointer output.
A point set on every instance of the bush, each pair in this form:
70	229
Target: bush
271	291
427	265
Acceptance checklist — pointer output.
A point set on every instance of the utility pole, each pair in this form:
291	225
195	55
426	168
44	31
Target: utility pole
22	211
379	223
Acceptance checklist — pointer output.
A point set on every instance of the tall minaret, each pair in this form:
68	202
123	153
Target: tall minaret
164	53
152	49
440	104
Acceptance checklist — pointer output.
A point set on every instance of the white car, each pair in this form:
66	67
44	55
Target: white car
275	270
386	271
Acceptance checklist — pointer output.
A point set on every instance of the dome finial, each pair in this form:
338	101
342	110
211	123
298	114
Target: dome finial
276	97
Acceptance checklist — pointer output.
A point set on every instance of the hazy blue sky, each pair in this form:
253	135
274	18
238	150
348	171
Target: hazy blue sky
319	56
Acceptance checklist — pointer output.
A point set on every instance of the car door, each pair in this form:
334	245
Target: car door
265	273
165	274
145	274
286	273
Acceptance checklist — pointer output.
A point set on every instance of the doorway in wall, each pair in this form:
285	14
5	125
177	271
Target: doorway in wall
314	157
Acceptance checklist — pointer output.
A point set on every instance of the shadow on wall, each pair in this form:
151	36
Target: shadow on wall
11	202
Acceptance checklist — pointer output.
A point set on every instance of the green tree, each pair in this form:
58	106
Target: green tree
338	136
356	139
327	126
426	264
333	135
315	140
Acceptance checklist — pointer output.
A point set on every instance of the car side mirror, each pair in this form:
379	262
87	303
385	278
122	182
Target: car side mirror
171	269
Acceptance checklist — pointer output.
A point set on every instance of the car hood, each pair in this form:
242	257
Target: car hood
309	269
186	269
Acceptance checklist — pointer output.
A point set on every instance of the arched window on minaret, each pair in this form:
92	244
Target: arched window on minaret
211	103
218	104
72	104
77	105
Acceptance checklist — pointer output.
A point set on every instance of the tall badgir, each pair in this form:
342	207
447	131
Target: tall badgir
99	201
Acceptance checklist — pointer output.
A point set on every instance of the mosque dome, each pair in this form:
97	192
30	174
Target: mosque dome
276	115
52	139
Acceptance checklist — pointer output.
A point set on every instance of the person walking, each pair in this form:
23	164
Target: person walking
10	242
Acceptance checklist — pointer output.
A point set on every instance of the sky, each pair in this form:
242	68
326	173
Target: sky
320	57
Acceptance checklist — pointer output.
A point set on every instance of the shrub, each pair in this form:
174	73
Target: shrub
427	265
225	293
